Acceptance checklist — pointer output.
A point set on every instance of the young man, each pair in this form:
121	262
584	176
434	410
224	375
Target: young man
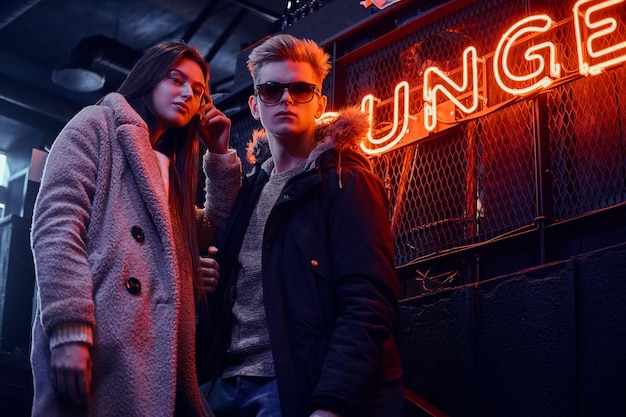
303	317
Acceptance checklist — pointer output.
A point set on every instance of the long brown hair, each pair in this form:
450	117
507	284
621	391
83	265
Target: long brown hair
180	144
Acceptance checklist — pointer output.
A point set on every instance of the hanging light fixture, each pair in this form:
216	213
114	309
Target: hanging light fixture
81	73
76	78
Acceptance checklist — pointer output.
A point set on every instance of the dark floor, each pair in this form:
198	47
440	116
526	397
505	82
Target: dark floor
16	386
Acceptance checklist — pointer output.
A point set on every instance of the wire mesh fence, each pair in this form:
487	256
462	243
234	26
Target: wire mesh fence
551	153
479	179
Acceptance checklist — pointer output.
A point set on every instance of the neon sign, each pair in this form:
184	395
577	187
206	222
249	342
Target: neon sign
430	93
542	69
589	30
532	24
394	136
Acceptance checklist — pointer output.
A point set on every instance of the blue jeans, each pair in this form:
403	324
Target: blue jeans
243	397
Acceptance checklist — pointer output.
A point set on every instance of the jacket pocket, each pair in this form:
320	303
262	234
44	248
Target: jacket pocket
314	251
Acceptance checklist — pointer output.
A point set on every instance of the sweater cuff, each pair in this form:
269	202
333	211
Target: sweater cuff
71	333
222	159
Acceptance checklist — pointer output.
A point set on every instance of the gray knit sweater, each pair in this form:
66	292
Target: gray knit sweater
250	353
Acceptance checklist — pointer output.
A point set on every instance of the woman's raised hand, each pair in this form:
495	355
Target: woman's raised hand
214	127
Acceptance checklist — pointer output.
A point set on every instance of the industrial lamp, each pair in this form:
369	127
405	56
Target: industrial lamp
93	53
79	74
76	78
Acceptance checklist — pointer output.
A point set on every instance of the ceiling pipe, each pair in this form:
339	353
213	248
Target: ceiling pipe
100	50
12	9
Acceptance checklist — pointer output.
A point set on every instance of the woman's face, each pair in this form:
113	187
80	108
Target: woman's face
176	99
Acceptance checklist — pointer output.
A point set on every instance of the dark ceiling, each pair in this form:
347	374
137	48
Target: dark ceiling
37	36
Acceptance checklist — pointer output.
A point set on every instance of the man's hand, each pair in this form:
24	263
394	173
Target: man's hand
70	372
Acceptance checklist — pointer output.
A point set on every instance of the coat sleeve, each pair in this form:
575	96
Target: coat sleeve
60	221
223	181
366	292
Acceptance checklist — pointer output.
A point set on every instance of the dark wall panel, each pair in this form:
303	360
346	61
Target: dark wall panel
543	342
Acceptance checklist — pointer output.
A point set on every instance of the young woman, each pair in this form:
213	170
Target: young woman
115	250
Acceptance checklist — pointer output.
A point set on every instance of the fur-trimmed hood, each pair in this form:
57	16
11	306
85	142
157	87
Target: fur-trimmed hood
342	131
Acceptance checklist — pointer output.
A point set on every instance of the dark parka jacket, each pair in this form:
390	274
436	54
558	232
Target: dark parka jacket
330	287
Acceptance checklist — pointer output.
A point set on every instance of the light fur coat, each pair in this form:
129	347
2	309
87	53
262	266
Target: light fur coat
101	179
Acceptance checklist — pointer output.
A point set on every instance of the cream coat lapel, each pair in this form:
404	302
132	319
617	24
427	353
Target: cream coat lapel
132	135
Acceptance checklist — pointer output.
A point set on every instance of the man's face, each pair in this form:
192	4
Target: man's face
286	118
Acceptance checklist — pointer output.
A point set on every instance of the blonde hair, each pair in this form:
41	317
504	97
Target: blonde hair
285	47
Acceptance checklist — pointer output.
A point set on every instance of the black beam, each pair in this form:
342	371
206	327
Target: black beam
217	45
195	25
261	11
27	105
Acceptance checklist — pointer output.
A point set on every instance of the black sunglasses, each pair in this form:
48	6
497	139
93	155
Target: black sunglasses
300	92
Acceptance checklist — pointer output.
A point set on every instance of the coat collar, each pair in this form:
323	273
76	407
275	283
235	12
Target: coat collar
133	136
